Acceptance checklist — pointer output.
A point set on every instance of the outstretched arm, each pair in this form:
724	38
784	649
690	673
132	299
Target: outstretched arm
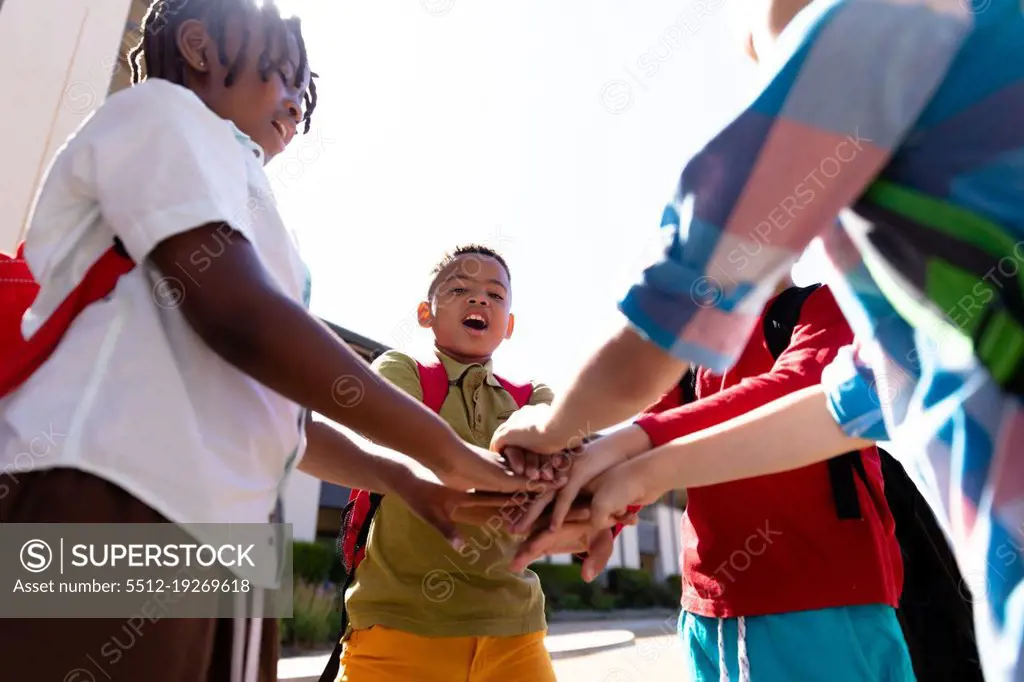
756	195
819	333
792	432
334	457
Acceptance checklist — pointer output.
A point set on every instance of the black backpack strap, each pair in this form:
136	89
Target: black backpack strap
841	471
780	319
782	316
688	384
330	673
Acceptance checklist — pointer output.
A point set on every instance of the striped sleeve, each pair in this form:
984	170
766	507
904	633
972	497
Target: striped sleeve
852	79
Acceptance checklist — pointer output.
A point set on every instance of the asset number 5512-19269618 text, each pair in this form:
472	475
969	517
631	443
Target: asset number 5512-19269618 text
186	585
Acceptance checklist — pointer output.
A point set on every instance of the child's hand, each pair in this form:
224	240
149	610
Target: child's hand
571	538
596	457
533	465
540	508
440	506
615	491
475	468
526	429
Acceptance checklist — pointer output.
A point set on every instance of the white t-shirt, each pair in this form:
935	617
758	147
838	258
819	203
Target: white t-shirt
132	394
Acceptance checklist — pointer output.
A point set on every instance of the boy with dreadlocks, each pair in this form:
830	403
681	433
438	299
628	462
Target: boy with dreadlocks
177	397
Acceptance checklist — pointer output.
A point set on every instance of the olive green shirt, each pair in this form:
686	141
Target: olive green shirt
411	579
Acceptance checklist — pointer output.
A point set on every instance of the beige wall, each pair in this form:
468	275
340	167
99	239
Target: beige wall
59	56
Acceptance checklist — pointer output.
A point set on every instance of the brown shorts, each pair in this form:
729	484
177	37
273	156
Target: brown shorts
109	650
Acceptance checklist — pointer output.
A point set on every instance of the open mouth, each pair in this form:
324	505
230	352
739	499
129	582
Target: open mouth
279	127
475	321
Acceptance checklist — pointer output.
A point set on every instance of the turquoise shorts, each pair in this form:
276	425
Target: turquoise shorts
850	644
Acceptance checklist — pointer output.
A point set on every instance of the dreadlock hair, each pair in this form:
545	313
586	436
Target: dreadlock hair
157	55
466	249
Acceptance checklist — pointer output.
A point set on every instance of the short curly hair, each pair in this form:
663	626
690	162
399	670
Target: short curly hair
466	249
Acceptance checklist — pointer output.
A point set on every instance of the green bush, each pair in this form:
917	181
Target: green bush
558	575
311	562
334	623
285	631
604	602
312	624
585	591
662	595
336	573
633	587
565	589
630	588
558	581
674	590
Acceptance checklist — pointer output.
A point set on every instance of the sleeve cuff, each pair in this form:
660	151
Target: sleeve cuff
657	427
668	341
852	399
143	233
632	509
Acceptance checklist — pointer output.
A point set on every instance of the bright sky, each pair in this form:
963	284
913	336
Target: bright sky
552	131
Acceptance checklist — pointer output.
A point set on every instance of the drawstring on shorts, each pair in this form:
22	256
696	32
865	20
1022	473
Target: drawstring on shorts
741	651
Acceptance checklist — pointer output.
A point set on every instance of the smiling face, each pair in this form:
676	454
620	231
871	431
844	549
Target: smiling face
265	96
469	308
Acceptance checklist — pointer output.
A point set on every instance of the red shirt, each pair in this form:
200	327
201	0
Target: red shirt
775	544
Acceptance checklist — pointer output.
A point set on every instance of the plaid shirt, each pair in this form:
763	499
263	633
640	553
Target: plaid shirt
926	94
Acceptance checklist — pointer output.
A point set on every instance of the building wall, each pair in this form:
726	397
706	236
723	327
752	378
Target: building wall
59	57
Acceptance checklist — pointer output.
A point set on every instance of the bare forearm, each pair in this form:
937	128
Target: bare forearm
330	379
333	457
622	378
237	310
789	433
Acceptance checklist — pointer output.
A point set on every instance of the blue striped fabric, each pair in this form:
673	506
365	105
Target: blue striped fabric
925	94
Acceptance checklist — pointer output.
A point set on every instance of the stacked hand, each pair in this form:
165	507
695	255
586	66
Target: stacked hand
577	535
598	469
441	506
474	468
585	491
475	487
527	429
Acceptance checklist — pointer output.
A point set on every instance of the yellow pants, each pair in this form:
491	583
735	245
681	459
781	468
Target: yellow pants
380	654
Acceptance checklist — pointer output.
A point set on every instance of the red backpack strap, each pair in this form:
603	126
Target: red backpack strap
521	393
23	356
355	526
434	383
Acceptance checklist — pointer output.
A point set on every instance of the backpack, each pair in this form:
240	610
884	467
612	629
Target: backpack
18	289
780	319
928	257
357	516
934	613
